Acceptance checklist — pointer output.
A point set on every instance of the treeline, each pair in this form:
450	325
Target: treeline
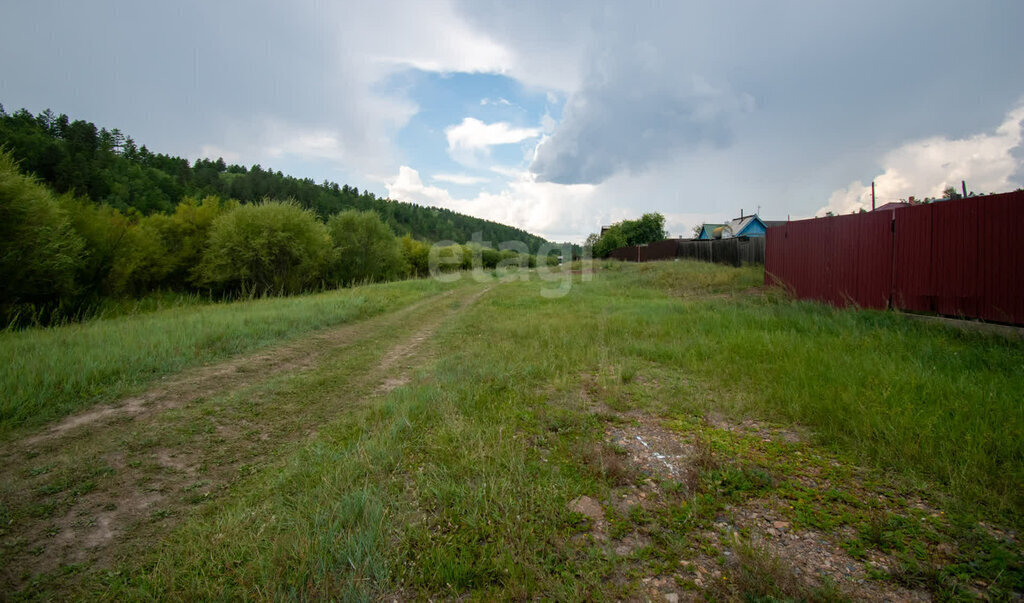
62	255
650	228
110	168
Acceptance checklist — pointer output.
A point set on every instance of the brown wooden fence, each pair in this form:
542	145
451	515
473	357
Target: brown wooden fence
734	251
957	258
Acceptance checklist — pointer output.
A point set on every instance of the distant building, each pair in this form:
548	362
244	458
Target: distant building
707	231
894	205
744	226
748	226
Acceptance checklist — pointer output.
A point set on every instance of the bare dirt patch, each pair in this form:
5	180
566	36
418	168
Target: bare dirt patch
749	539
812	556
651	448
765	431
589	507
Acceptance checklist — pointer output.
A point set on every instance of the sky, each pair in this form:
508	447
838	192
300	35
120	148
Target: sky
555	117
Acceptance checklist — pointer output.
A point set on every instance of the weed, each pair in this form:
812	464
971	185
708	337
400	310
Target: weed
606	462
628	372
739	482
754	574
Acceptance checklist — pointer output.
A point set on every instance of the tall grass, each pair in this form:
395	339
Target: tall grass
457	485
46	373
437	489
922	399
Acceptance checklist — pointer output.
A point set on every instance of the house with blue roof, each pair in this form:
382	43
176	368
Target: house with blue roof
744	226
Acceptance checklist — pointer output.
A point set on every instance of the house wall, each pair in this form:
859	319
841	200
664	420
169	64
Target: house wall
754	229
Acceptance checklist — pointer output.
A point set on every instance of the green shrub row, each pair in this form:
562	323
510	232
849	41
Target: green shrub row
61	255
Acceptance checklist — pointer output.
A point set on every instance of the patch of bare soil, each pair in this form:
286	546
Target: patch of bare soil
753	533
811	556
764	431
131	502
589	507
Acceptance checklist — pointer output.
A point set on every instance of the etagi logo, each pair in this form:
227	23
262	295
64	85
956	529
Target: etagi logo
510	261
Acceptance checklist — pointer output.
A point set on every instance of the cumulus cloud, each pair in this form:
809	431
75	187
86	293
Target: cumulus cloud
471	139
429	36
462	179
554	211
475	134
409	187
988	162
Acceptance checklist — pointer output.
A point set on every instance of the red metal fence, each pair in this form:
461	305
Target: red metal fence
955	257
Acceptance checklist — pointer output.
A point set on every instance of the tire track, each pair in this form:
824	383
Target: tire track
147	494
301	354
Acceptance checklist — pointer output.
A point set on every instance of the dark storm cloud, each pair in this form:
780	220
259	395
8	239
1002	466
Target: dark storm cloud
634	113
819	80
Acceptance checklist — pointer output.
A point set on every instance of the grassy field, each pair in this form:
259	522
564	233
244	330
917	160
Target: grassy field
48	373
506	464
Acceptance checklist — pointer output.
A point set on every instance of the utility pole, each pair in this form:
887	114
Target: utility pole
872	195
963	183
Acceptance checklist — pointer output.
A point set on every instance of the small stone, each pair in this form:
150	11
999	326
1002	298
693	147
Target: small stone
587	506
780	525
622	550
672	597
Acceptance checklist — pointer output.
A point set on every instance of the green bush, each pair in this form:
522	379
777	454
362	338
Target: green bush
365	248
490	257
272	247
163	251
449	258
417	256
39	251
105	231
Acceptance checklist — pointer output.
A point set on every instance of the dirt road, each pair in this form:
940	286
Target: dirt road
99	485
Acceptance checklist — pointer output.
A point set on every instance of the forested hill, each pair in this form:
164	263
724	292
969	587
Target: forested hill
108	167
